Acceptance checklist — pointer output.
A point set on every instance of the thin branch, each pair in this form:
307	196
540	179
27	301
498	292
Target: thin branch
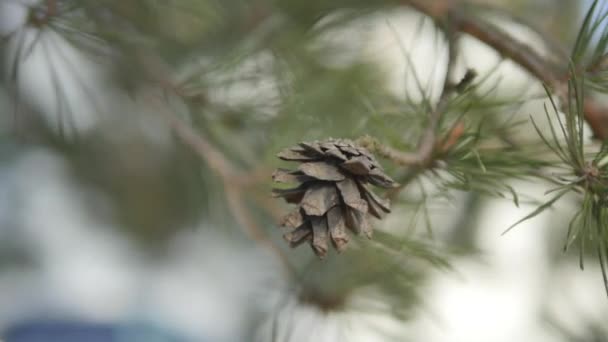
556	49
214	159
232	182
425	149
428	141
397	156
502	42
511	48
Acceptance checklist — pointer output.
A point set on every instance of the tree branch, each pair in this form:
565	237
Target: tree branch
508	46
232	182
428	141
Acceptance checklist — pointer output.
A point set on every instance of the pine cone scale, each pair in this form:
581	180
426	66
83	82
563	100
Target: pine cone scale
291	155
351	195
320	236
337	228
298	236
319	199
335	152
287	176
359	166
321	171
292	220
293	195
379	178
313	148
374	199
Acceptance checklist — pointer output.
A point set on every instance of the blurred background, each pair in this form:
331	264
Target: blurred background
113	228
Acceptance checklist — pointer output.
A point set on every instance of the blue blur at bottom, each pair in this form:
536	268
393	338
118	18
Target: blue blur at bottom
75	331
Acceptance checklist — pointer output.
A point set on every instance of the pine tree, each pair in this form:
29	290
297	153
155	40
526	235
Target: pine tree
178	109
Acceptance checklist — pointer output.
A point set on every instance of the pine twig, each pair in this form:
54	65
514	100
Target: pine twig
520	53
428	141
232	182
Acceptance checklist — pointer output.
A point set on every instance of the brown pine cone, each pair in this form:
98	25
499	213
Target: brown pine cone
332	196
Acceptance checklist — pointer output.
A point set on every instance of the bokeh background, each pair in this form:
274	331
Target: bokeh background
111	229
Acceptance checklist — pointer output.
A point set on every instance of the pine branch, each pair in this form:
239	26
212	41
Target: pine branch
428	142
232	181
505	44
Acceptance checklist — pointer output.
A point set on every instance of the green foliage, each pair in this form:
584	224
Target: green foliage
399	261
252	78
590	51
589	226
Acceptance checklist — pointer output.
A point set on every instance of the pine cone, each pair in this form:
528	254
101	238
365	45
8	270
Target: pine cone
332	196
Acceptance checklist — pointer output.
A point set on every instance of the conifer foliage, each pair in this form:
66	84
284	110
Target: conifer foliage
180	96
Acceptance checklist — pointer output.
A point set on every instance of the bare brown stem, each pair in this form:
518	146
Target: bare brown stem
428	141
396	156
51	8
232	182
50	11
508	46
